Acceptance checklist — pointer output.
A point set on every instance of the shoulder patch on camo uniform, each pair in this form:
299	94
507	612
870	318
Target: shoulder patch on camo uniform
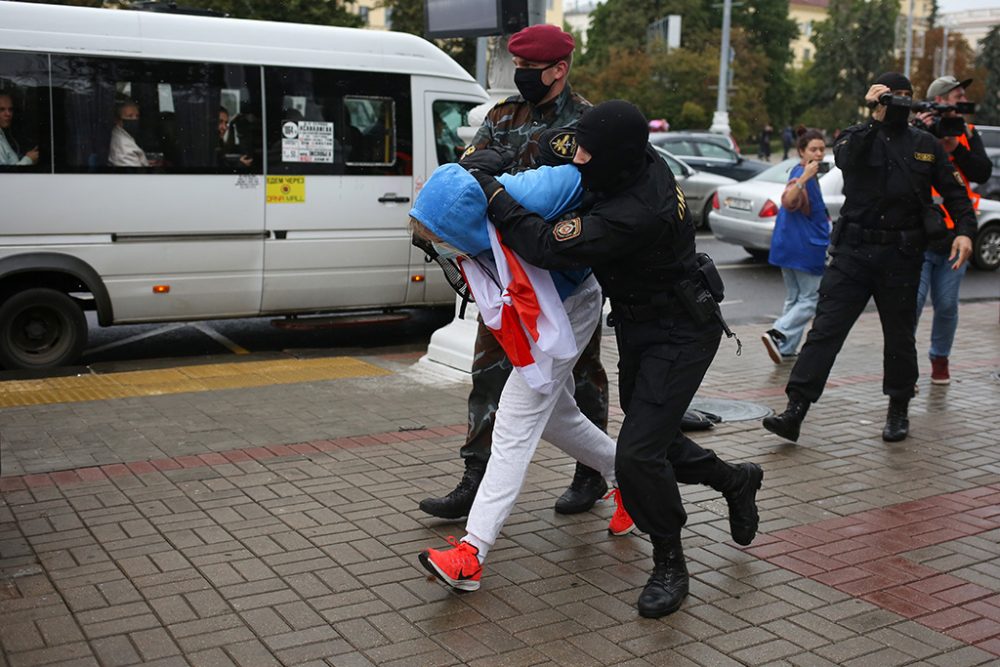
568	229
924	157
563	144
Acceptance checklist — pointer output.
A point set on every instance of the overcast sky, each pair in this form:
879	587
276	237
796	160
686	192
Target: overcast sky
946	6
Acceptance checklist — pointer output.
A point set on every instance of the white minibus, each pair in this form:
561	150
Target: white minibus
161	167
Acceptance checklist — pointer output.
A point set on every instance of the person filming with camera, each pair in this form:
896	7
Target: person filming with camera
878	248
940	277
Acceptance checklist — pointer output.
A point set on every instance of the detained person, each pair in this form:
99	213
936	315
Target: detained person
637	235
542	320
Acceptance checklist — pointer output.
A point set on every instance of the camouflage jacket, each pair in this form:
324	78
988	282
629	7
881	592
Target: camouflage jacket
516	123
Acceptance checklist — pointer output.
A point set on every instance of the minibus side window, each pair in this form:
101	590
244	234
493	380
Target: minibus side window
24	113
132	116
448	117
331	122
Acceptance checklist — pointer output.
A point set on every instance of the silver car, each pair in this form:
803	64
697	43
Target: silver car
744	213
698	186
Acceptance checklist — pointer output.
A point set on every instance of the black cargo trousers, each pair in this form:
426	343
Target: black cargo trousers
490	369
661	365
889	272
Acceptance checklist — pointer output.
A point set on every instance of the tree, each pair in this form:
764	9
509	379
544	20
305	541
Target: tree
989	60
679	85
853	46
768	28
927	68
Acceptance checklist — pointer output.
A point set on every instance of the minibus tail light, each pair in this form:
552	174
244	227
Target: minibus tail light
161	289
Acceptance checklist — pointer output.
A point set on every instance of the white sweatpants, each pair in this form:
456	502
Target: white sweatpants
524	416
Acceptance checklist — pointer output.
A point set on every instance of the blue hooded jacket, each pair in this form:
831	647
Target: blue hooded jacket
452	205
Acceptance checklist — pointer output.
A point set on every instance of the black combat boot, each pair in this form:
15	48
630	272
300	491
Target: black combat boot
897	424
787	424
741	496
457	503
668	585
587	487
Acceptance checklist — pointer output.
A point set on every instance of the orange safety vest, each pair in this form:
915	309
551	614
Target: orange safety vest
975	197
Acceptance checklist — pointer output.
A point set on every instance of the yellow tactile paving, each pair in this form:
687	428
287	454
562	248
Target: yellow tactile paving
208	377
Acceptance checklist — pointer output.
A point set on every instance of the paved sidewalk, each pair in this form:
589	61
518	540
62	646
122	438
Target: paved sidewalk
278	525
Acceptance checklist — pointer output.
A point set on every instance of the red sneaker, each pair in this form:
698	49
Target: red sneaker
621	523
458	567
939	370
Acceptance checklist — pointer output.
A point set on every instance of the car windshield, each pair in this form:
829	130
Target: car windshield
779	172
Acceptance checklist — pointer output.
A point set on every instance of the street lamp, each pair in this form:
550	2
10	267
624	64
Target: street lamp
720	119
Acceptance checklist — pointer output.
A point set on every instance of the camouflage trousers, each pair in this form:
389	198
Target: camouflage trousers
490	368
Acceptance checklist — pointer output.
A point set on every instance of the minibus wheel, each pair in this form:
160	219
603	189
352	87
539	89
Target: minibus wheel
41	328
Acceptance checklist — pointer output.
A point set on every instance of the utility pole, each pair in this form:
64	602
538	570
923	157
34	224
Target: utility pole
720	120
909	40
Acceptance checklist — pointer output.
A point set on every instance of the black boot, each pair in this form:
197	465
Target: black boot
457	503
897	424
587	487
742	500
668	585
787	424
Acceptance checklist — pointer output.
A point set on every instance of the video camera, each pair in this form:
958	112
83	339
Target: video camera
934	107
890	100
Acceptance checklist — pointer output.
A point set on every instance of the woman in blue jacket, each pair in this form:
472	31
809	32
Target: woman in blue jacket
798	246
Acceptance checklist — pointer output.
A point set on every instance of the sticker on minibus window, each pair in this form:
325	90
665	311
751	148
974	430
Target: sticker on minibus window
306	141
286	189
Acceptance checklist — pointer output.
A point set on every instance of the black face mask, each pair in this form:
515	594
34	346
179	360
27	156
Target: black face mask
529	83
896	117
131	125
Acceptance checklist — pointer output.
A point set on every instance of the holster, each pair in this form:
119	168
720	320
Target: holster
696	299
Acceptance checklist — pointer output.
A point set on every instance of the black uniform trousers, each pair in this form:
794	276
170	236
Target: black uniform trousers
890	274
490	368
661	365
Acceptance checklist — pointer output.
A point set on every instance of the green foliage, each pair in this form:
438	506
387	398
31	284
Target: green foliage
768	28
693	115
853	46
762	47
989	59
680	85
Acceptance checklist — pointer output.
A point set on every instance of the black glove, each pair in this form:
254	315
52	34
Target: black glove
492	161
488	183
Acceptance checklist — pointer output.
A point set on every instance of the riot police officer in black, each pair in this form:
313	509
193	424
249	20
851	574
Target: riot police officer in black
878	247
637	234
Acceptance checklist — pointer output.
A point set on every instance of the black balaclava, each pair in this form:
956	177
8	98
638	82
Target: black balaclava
896	116
615	133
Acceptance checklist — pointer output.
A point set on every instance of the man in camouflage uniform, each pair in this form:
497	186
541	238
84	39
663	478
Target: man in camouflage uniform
542	57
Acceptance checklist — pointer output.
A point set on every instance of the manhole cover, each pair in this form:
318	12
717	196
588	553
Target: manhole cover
731	410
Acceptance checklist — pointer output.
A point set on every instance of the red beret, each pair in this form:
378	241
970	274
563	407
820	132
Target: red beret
541	43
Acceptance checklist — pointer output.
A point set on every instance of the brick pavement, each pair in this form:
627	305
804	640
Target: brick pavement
278	526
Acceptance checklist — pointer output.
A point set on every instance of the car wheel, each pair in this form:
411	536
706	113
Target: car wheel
704	214
758	254
41	328
986	249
